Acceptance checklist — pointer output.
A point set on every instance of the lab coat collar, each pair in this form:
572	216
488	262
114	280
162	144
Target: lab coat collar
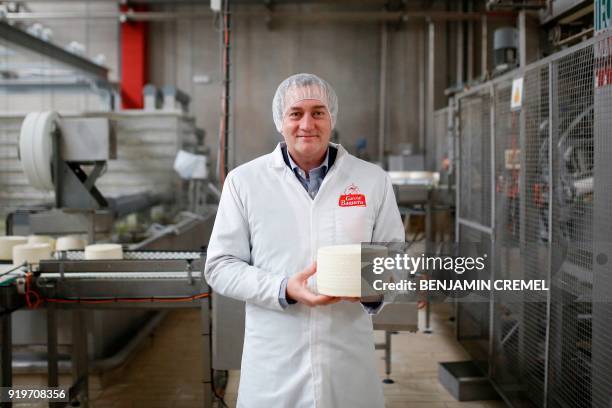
279	163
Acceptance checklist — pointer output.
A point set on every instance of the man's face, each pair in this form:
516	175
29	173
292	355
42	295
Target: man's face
307	129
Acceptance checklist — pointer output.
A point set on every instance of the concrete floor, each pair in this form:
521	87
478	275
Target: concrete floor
166	371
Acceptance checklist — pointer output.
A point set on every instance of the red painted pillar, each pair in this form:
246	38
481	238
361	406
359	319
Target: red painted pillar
133	61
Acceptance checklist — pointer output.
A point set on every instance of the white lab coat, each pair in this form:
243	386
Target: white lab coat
268	228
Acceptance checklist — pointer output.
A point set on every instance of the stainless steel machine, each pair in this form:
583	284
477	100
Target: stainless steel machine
77	159
67	156
144	280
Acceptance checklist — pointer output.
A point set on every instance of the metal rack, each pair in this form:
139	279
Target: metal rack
535	191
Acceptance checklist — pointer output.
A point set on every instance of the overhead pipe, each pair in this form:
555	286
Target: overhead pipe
459	51
431	63
62	15
518	5
422	69
200	2
383	93
340	16
470	44
522	27
224	134
207	4
484	63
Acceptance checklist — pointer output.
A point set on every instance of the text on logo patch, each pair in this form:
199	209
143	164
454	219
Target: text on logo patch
352	197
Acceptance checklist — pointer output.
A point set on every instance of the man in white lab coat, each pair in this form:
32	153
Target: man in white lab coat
301	349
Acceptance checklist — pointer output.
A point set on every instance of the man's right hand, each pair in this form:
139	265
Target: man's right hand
297	289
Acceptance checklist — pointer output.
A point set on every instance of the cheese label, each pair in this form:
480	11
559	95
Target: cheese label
352	197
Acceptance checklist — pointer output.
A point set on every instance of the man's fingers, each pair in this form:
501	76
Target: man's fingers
311	270
322	300
308	272
312	299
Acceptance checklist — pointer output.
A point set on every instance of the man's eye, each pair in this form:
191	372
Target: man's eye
319	114
294	115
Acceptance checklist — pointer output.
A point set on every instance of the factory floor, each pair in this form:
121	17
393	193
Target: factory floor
166	371
414	368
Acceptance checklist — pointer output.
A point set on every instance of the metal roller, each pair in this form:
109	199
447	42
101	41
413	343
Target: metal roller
36	148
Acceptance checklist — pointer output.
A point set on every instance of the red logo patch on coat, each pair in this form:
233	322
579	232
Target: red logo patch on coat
352	197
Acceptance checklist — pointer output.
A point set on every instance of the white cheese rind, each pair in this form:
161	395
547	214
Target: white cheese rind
31	253
103	251
42	239
339	268
70	243
6	246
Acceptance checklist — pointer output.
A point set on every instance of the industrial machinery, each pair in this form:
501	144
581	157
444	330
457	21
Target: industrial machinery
413	187
150	280
68	156
93	166
534	190
505	48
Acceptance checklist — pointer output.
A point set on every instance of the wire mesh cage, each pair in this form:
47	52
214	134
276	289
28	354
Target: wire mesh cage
551	174
570	373
601	309
475	164
473	323
521	140
475	159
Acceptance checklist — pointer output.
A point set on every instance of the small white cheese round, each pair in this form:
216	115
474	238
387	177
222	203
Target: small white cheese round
70	243
6	246
31	253
42	239
339	268
103	251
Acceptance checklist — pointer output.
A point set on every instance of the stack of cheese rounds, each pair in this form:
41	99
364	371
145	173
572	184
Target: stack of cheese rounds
70	243
103	251
339	268
42	239
31	253
6	246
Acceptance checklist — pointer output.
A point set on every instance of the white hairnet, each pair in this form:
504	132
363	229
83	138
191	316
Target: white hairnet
299	87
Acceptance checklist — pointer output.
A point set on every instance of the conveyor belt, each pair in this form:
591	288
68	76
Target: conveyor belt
141	274
140	255
118	275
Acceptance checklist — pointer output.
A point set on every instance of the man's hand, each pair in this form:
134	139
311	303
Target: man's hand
297	289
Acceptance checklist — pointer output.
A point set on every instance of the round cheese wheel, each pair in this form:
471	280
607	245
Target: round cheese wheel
339	268
42	239
6	246
70	243
103	251
31	253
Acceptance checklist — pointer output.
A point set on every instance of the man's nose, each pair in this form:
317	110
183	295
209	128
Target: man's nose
307	122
